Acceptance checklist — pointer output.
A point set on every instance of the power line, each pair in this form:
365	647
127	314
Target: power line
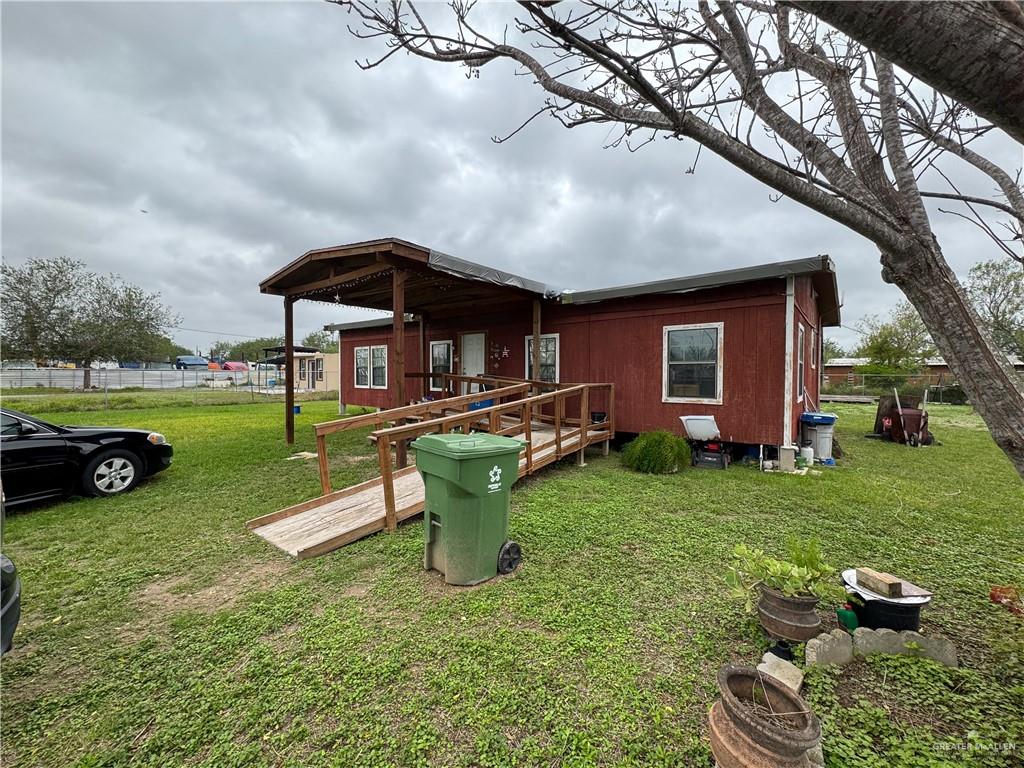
218	333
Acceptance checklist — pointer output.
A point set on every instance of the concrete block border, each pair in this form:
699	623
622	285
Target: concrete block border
839	648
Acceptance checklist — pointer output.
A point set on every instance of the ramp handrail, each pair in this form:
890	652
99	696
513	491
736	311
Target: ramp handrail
490	419
389	416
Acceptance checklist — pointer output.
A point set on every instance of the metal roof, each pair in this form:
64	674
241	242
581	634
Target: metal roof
931	362
819	266
312	276
359	274
379	322
846	361
706	280
472	271
296	348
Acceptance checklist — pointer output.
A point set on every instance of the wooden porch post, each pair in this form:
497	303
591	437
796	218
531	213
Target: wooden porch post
584	426
341	380
289	372
398	342
424	357
535	370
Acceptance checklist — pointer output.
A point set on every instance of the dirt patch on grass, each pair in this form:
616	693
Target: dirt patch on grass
172	595
283	639
433	583
160	600
346	459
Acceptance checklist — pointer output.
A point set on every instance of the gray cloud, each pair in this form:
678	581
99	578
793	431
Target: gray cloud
250	136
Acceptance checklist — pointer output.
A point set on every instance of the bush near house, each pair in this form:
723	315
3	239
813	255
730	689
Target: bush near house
657	453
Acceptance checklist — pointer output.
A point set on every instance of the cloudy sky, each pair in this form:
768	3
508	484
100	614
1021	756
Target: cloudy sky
250	136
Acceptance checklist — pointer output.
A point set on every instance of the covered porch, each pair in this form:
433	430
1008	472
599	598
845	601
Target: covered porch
416	284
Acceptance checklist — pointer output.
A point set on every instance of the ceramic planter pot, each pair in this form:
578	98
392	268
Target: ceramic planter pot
777	735
788	618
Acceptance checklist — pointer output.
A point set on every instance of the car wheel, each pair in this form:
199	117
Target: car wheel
112	472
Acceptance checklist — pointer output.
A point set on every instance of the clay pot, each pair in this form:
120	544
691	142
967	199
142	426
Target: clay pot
740	738
788	618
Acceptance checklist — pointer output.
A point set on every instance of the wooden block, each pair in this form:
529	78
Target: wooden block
912	590
884	584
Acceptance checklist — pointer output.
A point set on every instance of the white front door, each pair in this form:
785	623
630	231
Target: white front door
473	357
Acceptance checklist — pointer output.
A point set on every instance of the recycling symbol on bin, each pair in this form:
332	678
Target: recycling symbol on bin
495	474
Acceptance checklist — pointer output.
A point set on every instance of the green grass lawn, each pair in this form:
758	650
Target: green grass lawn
158	631
36	399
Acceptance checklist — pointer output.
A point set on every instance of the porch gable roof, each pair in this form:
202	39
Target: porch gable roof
359	274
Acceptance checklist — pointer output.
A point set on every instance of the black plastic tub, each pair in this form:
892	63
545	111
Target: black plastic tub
877	614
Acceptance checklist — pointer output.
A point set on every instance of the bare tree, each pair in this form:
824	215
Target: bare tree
929	40
795	104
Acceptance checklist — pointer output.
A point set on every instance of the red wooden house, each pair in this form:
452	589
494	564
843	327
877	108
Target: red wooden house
742	345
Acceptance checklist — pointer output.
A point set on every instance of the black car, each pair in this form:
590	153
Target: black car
40	460
10	602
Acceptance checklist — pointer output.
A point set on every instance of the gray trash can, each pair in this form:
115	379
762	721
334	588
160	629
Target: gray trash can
818	428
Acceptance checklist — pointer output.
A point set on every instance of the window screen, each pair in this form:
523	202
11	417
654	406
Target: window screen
378	367
440	362
362	366
548	358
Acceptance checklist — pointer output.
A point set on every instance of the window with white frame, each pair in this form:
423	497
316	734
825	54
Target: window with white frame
302	369
316	369
692	363
362	357
440	363
800	363
814	349
548	357
379	367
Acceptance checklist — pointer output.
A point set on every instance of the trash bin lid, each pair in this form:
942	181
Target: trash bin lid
813	417
467	446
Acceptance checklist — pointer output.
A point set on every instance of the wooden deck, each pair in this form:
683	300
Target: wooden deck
338	518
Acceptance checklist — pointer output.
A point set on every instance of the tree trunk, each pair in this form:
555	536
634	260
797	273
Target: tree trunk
994	388
972	51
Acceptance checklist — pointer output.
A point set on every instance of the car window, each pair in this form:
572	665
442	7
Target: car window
9	425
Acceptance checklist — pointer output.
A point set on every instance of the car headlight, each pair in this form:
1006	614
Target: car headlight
156	438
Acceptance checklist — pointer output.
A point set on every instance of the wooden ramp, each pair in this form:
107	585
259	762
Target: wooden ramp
338	518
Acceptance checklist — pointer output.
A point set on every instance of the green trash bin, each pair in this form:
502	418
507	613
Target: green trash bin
467	480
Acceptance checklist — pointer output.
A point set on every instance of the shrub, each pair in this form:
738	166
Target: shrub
656	453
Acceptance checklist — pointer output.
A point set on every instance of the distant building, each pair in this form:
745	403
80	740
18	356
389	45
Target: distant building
840	370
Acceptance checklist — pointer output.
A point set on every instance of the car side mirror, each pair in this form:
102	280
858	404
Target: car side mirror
28	429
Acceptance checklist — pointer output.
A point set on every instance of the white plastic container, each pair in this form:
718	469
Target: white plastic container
700	428
807	454
820	436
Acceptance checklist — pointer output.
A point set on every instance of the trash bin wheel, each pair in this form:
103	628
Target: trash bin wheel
509	557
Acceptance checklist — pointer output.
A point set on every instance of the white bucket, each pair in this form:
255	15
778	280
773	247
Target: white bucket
807	454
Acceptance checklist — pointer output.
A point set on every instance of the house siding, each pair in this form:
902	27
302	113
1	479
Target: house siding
620	341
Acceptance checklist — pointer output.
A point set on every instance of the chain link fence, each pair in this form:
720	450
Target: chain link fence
77	389
942	387
98	379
